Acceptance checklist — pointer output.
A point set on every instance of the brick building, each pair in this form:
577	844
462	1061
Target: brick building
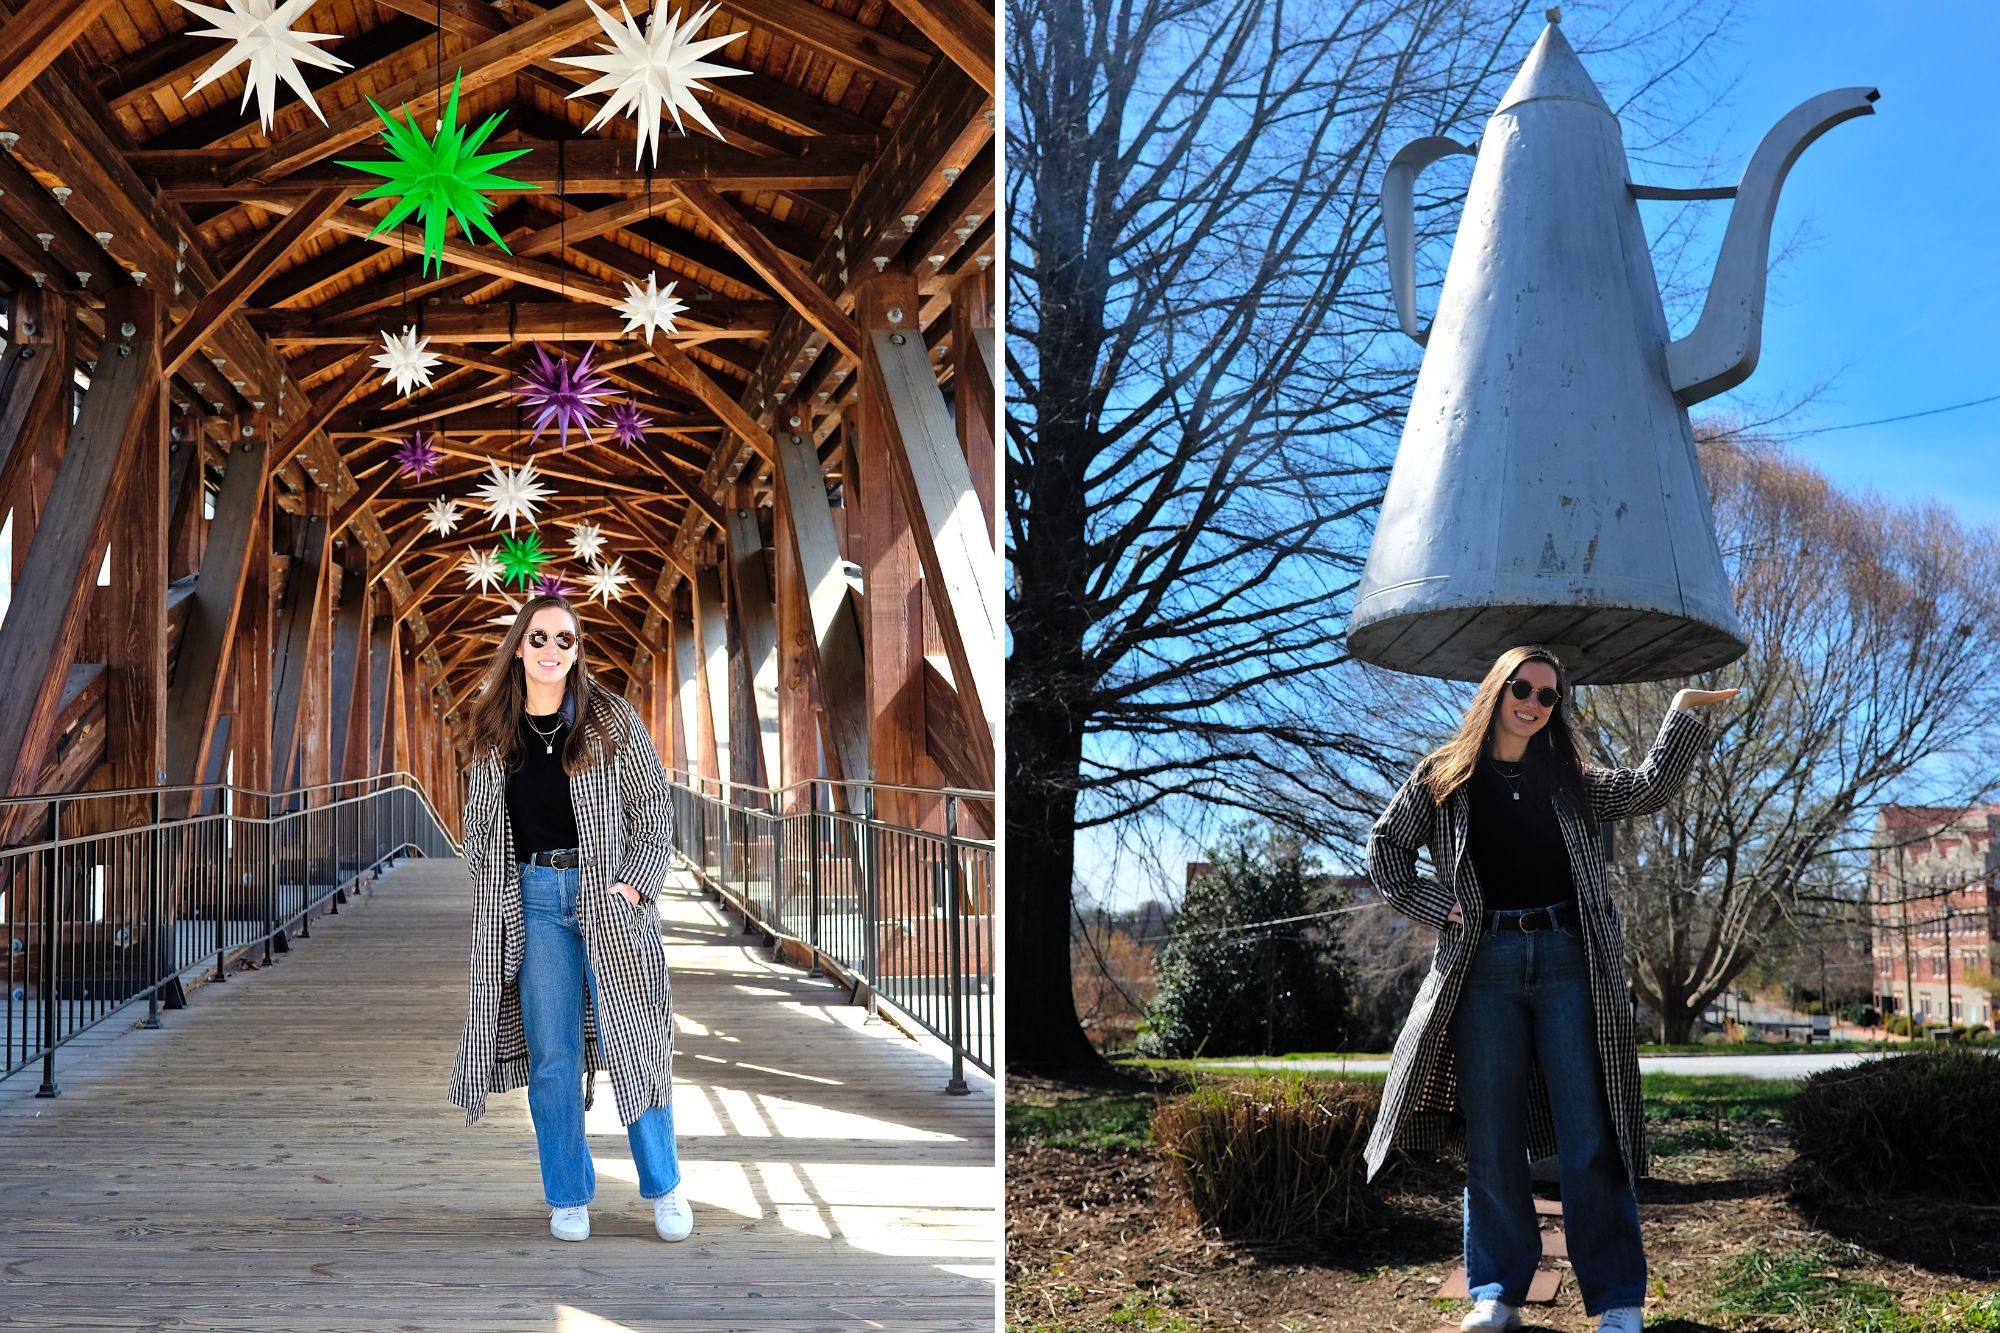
1932	891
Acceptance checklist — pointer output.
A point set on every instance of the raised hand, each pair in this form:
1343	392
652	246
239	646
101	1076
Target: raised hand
1703	698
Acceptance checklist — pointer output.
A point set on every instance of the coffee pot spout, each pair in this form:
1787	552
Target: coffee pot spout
1721	350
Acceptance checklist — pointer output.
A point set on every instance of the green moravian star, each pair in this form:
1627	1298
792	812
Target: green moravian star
522	560
439	178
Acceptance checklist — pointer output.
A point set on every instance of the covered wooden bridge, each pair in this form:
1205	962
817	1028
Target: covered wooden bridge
299	401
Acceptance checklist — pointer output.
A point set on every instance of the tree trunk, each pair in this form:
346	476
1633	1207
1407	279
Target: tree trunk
1044	753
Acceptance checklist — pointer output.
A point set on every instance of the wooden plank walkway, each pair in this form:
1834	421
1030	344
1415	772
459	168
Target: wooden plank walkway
281	1155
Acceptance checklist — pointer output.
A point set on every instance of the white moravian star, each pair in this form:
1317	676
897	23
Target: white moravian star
651	308
261	33
403	360
653	69
586	540
512	493
441	516
605	582
482	571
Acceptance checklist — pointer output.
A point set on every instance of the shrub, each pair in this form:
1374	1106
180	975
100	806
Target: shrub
1272	1159
1227	990
1899	1024
1918	1124
1862	1015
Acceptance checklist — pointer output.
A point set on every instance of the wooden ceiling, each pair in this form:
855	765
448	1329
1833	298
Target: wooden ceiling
862	137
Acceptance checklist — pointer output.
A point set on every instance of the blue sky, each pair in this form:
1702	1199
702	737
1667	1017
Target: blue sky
1895	294
1889	295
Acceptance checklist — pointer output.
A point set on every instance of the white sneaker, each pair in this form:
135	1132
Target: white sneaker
1625	1319
672	1218
1491	1315
570	1223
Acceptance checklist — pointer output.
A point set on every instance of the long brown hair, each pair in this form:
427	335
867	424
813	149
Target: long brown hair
503	697
1557	744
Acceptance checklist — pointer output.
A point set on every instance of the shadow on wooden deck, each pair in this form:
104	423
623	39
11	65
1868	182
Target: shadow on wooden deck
281	1155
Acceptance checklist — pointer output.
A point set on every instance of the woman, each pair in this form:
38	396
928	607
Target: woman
568	831
1525	1009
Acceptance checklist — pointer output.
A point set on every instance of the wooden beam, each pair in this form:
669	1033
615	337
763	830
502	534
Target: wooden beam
499	57
892	573
35	389
712	632
799	742
348	674
741	235
838	37
757	626
222	300
697	381
134	604
963	30
361	499
697	726
838	665
586	166
39	633
227	567
935	486
291	651
510	322
976	391
32	39
319	410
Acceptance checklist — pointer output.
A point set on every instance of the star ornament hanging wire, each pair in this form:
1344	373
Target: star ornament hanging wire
522	558
653	69
511	494
440	178
261	34
441	516
404	360
564	393
483	571
651	308
418	456
605	582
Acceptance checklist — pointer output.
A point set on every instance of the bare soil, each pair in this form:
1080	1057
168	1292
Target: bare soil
1097	1240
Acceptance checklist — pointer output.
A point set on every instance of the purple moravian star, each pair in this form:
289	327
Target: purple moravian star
629	423
564	393
418	456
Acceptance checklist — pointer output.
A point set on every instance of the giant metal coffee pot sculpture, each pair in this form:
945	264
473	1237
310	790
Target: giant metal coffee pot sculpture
1547	490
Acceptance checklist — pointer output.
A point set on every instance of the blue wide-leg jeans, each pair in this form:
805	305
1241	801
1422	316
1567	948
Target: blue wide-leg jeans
554	969
1527	997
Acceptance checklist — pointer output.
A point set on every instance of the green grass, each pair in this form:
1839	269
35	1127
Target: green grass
1114	1120
1807	1283
1715	1097
1695	1138
1764	1047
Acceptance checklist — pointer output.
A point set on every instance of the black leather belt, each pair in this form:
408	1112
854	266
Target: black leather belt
563	858
1554	917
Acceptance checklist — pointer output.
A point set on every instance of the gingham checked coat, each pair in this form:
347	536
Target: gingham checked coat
624	824
1420	1107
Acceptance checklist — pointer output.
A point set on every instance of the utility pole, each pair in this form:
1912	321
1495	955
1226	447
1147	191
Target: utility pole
1949	1017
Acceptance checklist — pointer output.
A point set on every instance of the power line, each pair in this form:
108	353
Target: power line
1884	421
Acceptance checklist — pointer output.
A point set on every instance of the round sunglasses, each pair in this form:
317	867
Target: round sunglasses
1545	696
539	638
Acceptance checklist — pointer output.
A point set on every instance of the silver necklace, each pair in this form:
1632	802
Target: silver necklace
1512	780
548	737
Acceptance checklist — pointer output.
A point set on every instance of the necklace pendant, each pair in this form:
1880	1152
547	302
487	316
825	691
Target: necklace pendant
1517	796
551	749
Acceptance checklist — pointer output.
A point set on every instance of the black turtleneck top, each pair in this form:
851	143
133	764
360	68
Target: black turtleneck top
538	791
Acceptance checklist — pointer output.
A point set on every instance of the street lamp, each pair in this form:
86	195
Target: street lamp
1949	913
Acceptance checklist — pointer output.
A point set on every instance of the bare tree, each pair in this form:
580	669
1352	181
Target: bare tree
1203	405
1873	673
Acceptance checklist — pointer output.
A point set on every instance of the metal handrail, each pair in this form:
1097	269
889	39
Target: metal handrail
172	879
905	913
686	778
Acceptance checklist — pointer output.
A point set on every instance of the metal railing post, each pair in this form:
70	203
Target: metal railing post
153	978
812	873
954	949
50	894
333	853
870	887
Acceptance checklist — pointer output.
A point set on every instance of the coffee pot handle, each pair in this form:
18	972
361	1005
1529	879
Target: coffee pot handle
1399	224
